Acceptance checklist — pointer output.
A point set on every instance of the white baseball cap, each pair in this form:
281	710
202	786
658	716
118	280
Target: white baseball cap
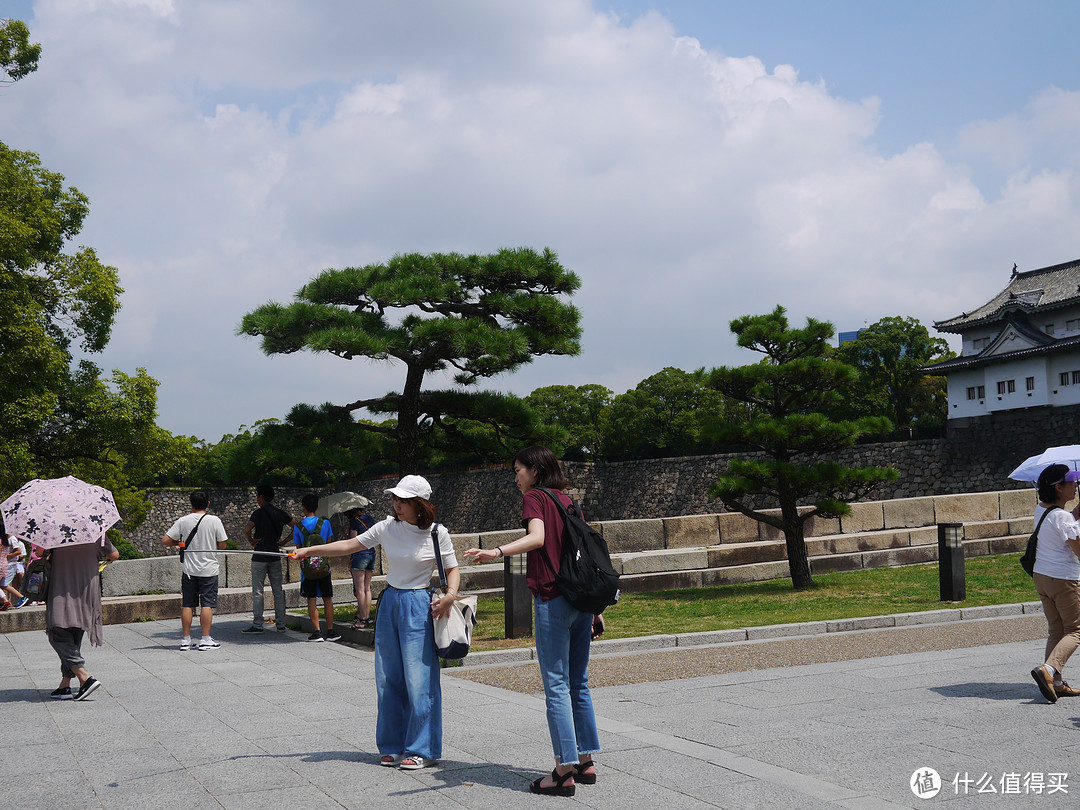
411	486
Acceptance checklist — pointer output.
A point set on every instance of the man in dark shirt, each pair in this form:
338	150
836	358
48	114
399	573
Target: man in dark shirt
263	531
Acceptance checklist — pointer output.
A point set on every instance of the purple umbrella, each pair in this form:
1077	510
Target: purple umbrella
59	511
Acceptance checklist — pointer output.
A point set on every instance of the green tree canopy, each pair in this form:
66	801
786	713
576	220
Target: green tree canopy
57	417
18	57
792	389
670	413
578	410
479	314
888	355
50	300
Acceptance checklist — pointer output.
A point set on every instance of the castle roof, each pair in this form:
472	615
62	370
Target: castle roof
1027	292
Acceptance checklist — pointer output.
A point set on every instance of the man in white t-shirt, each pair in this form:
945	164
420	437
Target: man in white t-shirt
198	535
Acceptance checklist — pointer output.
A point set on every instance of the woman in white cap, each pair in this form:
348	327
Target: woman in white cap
408	730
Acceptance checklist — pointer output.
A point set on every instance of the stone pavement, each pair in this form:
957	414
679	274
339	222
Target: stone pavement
276	721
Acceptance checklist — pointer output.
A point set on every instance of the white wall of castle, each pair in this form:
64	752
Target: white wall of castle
1024	383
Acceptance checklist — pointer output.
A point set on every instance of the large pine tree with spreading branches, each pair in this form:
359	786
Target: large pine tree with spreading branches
479	314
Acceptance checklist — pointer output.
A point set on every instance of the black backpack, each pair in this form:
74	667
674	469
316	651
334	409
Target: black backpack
585	578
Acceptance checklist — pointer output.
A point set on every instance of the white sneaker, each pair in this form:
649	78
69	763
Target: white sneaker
185	643
208	643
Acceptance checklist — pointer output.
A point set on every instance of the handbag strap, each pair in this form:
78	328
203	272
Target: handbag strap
438	555
1038	525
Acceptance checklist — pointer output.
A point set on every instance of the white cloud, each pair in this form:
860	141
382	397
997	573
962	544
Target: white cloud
232	150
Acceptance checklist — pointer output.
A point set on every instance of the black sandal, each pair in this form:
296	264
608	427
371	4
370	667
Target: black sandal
558	789
582	777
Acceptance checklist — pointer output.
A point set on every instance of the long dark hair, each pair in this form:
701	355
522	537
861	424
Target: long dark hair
549	472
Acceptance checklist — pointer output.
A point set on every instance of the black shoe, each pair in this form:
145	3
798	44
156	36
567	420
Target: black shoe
333	635
253	629
558	789
315	637
583	778
89	685
61	693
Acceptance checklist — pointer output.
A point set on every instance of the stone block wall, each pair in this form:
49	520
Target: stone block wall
976	456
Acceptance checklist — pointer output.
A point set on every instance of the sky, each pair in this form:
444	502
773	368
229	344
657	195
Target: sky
692	162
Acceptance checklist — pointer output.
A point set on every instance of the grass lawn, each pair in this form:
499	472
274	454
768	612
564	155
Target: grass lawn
877	592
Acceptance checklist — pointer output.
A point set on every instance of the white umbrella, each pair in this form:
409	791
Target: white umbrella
339	502
1030	468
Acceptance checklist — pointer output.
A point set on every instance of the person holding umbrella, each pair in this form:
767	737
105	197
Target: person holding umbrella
1057	577
70	517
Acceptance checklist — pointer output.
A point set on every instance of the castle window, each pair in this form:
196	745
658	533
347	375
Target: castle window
1064	378
1030	383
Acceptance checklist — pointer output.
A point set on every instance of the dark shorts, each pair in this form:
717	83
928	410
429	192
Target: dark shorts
312	588
196	590
363	560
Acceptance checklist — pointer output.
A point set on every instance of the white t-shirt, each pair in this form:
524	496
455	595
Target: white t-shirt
409	552
198	562
1053	557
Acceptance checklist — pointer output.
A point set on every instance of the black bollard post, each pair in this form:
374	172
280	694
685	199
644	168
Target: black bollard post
518	600
951	562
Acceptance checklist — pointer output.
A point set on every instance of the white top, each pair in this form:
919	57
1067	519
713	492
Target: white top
409	552
199	562
1053	557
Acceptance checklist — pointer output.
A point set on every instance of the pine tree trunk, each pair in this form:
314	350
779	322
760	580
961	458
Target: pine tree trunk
408	426
798	559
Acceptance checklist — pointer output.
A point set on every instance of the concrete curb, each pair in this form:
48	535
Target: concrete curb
601	648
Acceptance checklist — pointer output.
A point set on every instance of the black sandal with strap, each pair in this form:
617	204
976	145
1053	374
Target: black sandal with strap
560	788
581	776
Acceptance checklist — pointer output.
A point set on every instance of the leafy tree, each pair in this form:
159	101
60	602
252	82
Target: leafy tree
480	315
18	58
56	417
667	414
578	410
106	433
50	300
792	389
888	356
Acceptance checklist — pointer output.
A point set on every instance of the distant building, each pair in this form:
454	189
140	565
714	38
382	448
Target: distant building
1021	349
847	337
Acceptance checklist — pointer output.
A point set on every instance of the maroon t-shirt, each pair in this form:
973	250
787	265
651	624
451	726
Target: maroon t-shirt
540	574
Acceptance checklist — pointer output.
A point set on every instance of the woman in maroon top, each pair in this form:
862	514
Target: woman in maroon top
562	632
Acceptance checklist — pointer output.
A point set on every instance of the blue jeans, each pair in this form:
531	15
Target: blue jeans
407	676
563	635
260	572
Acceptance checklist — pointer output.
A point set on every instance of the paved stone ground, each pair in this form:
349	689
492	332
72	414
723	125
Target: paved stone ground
276	721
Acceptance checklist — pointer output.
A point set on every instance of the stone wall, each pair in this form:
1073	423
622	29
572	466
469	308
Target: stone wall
975	456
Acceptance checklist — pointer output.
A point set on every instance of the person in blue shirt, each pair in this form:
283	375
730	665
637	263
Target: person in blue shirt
323	587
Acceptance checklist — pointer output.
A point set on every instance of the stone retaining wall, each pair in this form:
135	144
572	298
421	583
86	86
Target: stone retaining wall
872	525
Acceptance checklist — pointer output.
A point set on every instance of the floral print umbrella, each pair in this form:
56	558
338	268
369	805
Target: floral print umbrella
59	511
